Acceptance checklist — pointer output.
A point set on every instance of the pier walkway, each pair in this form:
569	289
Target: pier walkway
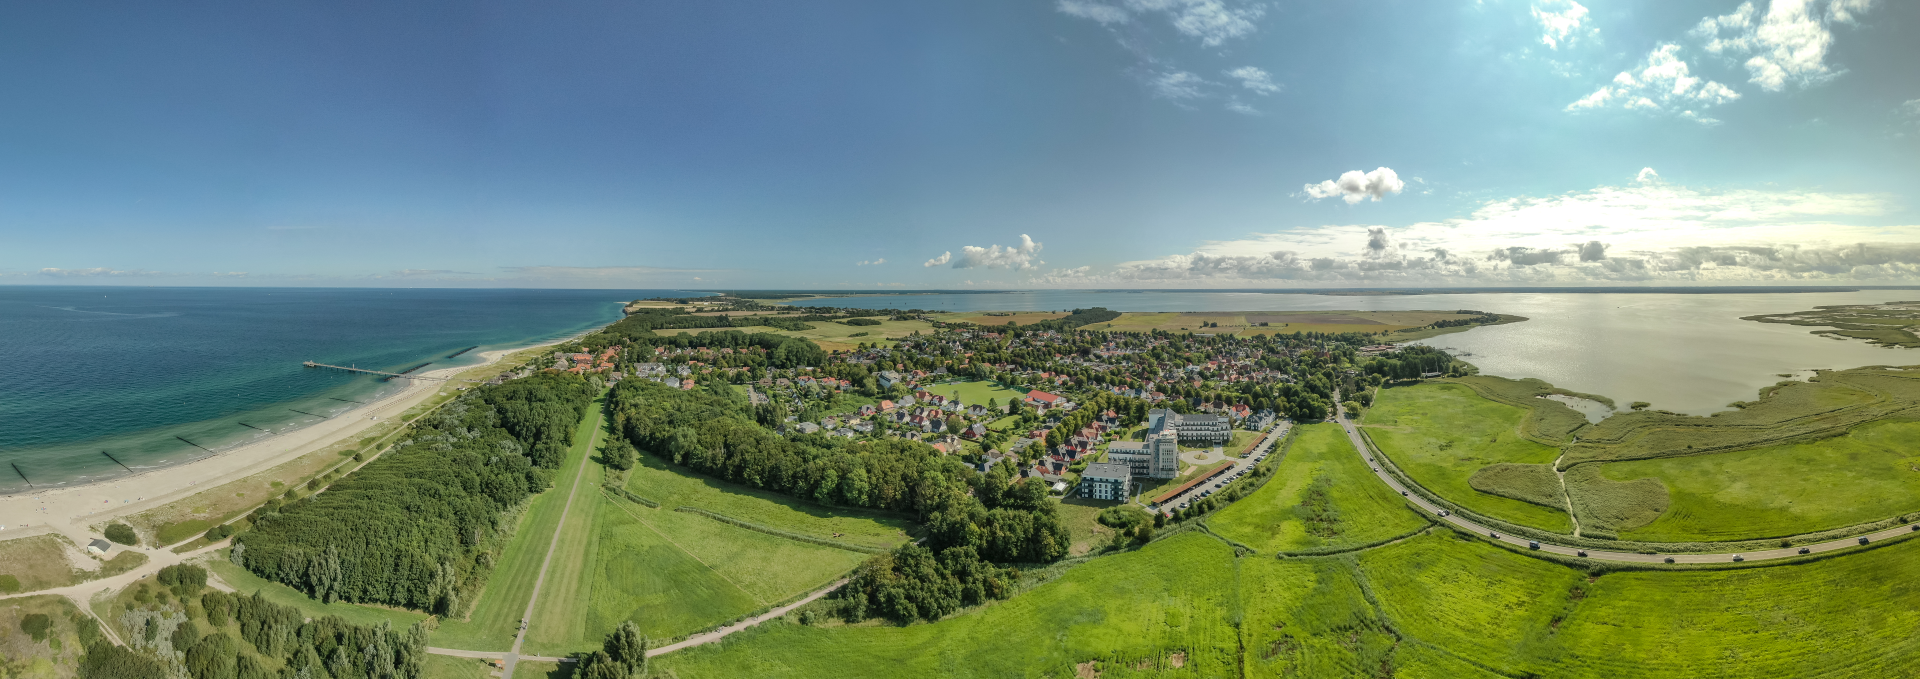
312	364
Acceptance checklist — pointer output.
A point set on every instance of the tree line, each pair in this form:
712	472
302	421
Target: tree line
419	526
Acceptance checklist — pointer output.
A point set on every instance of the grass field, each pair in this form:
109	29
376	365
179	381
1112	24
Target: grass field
1017	317
38	562
449	667
1441	434
495	618
833	336
675	573
973	392
1871	473
672	487
1321	498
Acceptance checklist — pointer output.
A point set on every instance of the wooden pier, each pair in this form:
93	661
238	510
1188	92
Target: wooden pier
312	364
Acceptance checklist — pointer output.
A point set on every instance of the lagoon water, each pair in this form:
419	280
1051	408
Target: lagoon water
1687	353
89	369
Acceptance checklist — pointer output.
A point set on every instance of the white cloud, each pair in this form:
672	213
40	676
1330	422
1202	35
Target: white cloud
1022	257
1254	79
872	262
1788	45
1105	14
937	261
1663	83
1647	176
1237	106
1355	186
1561	22
1179	85
1211	21
98	272
1911	108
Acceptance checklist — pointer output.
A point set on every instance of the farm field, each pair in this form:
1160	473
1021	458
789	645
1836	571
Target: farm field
1776	491
1447	606
491	624
1441	434
659	481
1017	317
1320	498
973	392
833	336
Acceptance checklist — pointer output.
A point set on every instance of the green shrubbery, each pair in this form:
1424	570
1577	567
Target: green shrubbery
122	533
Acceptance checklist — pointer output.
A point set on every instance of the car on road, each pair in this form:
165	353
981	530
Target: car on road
1804	550
1532	545
1443	513
1493	535
1863	539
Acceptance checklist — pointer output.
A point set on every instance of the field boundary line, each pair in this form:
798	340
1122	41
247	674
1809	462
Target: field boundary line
769	530
690	555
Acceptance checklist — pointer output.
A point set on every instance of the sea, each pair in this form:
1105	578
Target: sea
153	377
1687	352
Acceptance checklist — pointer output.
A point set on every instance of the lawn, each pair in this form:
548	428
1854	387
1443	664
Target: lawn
672	487
972	392
449	667
1440	434
1322	497
495	618
1082	518
1776	491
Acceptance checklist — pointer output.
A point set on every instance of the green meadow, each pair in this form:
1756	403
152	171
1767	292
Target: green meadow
1441	434
1437	605
1322	497
1869	474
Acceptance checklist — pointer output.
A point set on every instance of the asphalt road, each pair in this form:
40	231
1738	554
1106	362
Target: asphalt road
1360	444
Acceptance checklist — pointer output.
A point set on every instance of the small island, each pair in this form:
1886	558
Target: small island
1890	324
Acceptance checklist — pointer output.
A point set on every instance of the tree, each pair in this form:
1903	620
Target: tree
625	645
599	665
619	454
123	534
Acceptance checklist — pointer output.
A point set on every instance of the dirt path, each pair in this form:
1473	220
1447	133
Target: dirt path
512	656
1368	453
722	633
1564	495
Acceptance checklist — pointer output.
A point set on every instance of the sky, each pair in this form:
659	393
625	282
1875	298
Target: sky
960	144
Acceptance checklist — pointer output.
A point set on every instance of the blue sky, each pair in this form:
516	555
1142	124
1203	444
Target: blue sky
1044	143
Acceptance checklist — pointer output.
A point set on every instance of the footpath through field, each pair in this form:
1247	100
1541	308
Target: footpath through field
591	427
1362	445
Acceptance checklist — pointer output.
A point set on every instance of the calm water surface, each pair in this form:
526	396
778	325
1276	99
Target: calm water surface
133	370
1688	353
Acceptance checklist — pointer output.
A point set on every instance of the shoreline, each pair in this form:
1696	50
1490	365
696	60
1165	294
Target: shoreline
71	510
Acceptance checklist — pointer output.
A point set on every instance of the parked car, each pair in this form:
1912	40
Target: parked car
1804	550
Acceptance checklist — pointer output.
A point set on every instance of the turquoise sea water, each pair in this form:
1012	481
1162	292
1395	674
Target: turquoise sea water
132	371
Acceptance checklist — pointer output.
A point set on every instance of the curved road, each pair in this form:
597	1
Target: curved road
1367	453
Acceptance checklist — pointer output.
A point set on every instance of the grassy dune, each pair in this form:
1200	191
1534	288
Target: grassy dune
1441	434
1296	511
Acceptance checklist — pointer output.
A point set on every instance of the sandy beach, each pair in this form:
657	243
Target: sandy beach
70	511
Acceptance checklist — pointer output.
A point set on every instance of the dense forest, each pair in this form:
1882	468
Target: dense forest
715	435
418	527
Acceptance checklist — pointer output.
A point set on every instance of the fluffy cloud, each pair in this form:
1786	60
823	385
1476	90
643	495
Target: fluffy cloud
1663	83
1649	230
1022	257
1254	79
1788	45
1355	186
872	262
1561	22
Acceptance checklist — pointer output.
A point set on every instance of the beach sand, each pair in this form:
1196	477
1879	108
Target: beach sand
73	511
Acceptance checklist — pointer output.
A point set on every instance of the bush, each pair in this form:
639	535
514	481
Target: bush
9	584
123	534
184	579
36	625
861	321
218	533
